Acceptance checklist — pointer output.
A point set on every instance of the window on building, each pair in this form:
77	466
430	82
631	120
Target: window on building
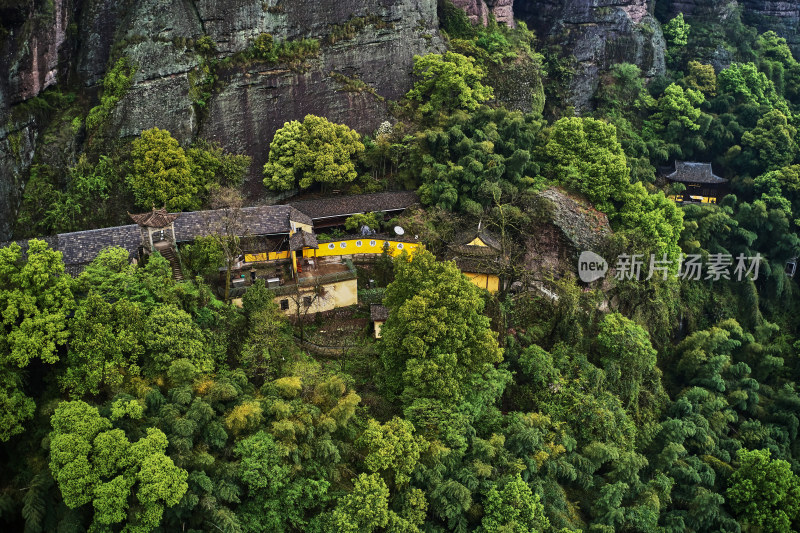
307	301
284	305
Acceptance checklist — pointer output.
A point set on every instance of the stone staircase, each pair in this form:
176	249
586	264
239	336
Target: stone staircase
169	254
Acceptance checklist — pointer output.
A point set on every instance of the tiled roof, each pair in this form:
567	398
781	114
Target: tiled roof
335	206
83	246
693	172
157	218
378	312
259	220
479	265
464	238
302	239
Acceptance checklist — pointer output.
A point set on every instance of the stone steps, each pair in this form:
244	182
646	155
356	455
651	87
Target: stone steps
169	254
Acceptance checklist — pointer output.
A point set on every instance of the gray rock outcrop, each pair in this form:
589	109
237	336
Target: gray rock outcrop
73	43
598	33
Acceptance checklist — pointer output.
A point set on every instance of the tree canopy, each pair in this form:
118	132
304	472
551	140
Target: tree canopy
162	173
313	151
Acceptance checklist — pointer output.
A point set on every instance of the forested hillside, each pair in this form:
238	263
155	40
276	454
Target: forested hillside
169	388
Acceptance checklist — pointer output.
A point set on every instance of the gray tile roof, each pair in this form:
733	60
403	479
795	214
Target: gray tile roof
302	239
336	206
259	220
489	239
157	218
378	312
81	247
693	172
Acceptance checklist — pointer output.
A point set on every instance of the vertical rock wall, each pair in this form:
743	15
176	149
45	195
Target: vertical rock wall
479	10
599	33
34	50
72	43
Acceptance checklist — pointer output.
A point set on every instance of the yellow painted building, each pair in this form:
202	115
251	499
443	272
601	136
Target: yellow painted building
693	198
332	296
364	245
490	282
479	257
343	247
700	182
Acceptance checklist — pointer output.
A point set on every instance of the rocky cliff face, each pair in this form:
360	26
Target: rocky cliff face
781	17
376	41
599	33
34	47
479	10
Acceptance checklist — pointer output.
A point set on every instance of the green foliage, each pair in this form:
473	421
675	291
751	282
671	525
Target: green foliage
392	446
313	151
295	53
203	258
584	155
115	84
429	300
765	492
514	509
677	31
629	362
653	219
87	201
162	173
173	335
701	77
448	82
366	508
748	85
93	463
355	25
35	298
772	141
571	425
676	109
212	168
356	222
477	161
105	345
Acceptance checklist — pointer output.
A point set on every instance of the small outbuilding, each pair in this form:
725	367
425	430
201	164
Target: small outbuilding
378	314
479	255
702	185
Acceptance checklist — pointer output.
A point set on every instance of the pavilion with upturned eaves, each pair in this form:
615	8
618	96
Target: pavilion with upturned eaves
702	185
156	226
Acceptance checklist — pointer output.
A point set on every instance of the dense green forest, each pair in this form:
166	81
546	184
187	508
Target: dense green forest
133	402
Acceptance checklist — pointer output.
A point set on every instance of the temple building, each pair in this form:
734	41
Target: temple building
158	235
308	272
479	255
702	185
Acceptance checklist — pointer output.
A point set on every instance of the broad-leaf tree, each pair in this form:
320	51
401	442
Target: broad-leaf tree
437	343
313	151
95	463
35	298
448	82
161	173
